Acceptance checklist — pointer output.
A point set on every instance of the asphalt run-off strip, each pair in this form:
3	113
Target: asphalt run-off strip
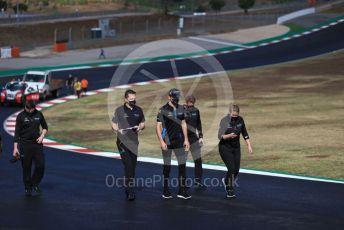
226	50
9	127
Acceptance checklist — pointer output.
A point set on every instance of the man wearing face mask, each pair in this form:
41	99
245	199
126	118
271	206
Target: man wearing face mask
231	126
28	146
128	120
171	130
195	136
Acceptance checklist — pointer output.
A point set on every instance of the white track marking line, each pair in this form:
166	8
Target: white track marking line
11	119
104	90
71	97
218	42
45	105
57	101
73	148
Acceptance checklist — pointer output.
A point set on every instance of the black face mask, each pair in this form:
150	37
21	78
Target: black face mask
28	110
234	118
132	103
189	106
175	101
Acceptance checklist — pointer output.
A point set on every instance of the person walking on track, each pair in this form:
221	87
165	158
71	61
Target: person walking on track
231	126
77	87
70	84
102	54
172	134
128	120
195	136
84	86
28	146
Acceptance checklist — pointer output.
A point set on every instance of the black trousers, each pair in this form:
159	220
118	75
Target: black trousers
129	160
231	157
195	150
32	153
181	158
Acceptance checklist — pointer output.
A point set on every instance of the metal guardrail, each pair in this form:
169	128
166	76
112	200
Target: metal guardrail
11	18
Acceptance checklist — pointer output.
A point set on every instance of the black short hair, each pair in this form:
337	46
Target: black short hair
129	91
174	93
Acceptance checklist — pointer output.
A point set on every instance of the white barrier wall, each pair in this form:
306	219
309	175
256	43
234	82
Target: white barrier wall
295	14
5	53
308	11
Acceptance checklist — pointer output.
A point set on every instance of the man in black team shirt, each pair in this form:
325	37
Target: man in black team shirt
231	127
127	121
171	130
195	136
28	146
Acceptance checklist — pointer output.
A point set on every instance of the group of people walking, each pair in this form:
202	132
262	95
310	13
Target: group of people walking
179	130
77	87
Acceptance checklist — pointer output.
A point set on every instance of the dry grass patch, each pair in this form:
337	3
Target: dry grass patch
294	113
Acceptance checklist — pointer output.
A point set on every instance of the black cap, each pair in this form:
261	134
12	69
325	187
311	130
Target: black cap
30	104
174	93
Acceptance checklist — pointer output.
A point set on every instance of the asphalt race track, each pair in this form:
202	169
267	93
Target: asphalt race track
75	194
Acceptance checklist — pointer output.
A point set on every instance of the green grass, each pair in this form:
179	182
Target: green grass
293	27
294	113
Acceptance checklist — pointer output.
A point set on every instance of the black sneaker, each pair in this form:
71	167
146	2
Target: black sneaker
28	191
199	184
37	190
167	194
230	194
183	195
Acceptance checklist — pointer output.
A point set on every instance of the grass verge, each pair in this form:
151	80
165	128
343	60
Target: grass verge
294	114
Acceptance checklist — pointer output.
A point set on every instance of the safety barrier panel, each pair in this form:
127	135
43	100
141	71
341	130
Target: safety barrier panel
60	47
9	52
5	52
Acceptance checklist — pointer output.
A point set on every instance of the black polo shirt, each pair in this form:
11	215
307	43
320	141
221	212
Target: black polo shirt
231	125
193	120
28	126
126	118
171	119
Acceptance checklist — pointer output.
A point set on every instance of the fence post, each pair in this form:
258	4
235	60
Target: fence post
70	37
147	25
83	33
55	35
120	27
159	23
